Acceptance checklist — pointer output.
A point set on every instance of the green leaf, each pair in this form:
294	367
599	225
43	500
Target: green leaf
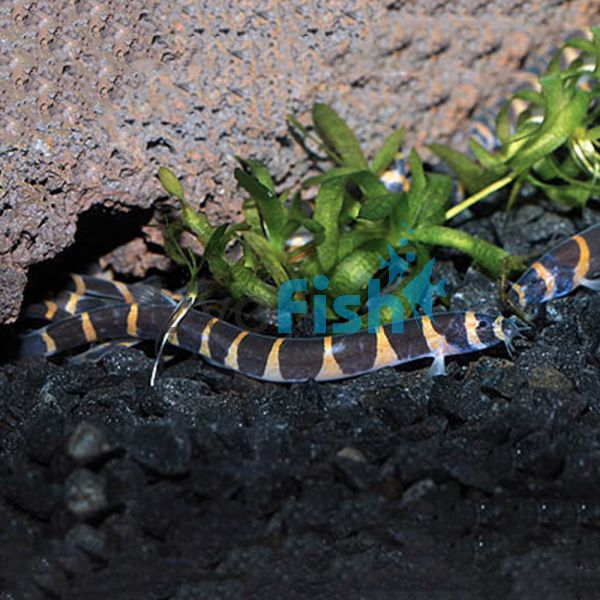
368	183
515	190
581	44
337	136
380	207
428	205
489	256
251	214
328	206
569	167
307	268
267	256
436	199
525	129
552	169
295	210
313	226
196	222
545	168
352	274
258	170
350	210
214	255
406	214
487	159
170	183
350	241
593	133
565	110
469	173
172	246
596	51
246	284
422	257
571	195
216	243
334	173
273	214
298	218
503	123
531	96
388	151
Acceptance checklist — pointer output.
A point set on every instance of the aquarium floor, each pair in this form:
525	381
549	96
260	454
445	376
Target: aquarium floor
483	483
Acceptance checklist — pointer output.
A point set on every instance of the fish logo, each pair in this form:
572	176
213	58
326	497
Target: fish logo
420	291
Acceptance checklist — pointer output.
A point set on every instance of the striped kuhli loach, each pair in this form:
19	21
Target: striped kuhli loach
101	310
573	263
141	312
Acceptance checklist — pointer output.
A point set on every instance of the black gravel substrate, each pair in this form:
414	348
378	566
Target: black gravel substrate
484	483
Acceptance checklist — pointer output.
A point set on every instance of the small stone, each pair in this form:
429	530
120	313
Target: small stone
417	491
215	480
162	448
48	576
85	494
89	539
352	454
354	468
87	443
507	382
461	401
547	378
123	475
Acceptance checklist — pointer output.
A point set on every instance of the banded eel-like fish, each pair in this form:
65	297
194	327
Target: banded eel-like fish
101	310
270	358
573	263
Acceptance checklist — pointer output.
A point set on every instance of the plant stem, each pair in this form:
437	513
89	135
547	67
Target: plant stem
488	255
490	189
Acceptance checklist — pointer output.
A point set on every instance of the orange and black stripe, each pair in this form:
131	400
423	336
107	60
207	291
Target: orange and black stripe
108	289
65	305
99	311
275	358
89	293
573	263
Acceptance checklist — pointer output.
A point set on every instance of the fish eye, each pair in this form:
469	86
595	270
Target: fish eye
482	324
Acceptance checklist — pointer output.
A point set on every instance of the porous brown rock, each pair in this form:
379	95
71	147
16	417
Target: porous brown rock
94	96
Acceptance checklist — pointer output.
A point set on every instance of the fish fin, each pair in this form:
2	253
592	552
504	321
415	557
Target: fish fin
591	284
438	366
